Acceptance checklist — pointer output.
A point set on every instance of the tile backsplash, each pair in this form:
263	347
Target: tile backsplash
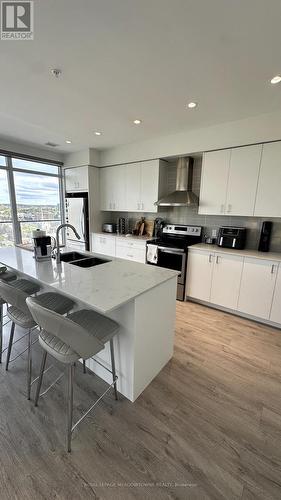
183	215
189	215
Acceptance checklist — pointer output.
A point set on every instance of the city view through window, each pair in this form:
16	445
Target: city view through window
29	200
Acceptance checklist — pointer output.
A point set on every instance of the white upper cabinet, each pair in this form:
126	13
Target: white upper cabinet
243	180
268	202
257	287
112	188
149	185
133	187
76	179
229	181
214	182
105	190
118	187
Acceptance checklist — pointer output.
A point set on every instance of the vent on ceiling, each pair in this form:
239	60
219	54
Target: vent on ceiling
51	144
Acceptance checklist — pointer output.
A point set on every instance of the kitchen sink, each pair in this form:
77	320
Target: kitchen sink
70	256
89	262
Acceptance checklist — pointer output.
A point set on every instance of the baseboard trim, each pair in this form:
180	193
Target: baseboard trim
234	312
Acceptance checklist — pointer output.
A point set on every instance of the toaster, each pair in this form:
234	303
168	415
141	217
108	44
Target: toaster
109	228
232	237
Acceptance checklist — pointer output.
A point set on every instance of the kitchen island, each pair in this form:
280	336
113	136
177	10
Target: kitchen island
141	298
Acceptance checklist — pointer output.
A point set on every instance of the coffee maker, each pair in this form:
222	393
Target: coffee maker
42	245
121	225
159	223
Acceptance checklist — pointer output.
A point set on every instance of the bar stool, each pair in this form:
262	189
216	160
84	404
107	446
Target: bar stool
15	294
81	334
6	276
27	286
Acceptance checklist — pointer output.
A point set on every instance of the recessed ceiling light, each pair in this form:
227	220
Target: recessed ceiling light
68	141
137	122
56	72
275	79
97	132
192	105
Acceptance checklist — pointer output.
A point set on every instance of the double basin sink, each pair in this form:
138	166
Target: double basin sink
81	260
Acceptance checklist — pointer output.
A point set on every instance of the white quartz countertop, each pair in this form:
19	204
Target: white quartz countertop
129	237
104	287
244	253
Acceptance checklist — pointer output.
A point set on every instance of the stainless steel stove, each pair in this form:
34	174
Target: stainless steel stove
170	250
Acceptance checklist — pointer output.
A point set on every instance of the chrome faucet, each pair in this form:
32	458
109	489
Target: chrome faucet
57	238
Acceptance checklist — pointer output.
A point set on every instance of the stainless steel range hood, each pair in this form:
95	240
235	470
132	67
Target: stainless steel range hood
183	196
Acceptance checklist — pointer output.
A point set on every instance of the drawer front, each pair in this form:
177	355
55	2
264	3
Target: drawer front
104	245
129	253
127	243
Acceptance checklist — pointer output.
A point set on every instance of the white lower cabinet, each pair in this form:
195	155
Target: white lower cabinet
114	246
214	277
104	244
244	284
226	280
257	287
135	254
275	314
131	250
199	274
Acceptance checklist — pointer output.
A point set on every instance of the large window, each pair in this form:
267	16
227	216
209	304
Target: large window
30	198
6	226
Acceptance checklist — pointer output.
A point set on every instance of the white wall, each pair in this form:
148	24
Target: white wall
262	128
80	158
22	148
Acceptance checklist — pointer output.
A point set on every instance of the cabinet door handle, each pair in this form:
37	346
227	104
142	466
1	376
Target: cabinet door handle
272	268
217	259
210	258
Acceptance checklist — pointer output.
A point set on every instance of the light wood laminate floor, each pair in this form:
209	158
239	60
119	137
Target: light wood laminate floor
208	427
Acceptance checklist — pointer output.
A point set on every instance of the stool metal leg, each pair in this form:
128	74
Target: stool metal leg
1	331
10	345
69	405
29	364
113	368
39	383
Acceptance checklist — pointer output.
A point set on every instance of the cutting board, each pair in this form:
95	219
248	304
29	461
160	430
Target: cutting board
149	227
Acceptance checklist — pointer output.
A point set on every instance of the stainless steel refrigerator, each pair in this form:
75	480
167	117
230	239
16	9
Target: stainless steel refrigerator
77	214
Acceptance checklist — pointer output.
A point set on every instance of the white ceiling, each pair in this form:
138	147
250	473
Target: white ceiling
126	59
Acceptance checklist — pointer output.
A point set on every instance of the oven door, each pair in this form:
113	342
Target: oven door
173	258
